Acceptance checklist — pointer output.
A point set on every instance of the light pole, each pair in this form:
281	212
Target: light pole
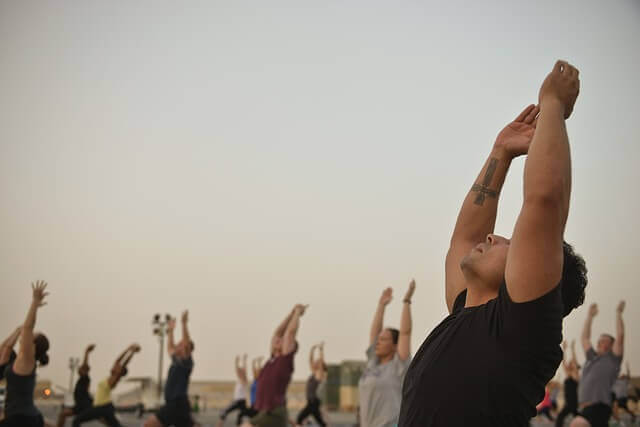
160	330
73	365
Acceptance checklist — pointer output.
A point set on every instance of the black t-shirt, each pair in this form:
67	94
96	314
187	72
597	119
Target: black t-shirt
485	365
81	396
178	379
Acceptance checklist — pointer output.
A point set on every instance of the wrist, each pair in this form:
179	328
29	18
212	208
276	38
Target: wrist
551	103
501	153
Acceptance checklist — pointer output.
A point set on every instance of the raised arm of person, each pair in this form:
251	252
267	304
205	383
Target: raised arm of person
133	349
85	360
565	365
586	329
618	344
574	359
171	340
289	338
7	345
404	338
535	257
238	368
321	353
25	361
186	337
279	332
378	317
121	363
254	368
477	216
312	354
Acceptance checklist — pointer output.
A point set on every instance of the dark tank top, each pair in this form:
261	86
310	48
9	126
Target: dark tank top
312	387
19	400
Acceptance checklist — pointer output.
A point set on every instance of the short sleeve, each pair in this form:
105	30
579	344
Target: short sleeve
591	353
400	366
537	321
372	359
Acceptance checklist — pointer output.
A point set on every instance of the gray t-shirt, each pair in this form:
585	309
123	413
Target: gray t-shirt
381	390
621	388
598	376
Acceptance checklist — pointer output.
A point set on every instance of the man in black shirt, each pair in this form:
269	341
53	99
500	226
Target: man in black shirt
81	397
177	409
500	345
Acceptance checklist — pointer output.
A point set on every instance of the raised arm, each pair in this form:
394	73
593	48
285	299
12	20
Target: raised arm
171	343
321	353
535	258
85	360
186	337
565	365
25	361
586	329
618	344
121	364
289	338
404	338
574	359
311	356
477	216
135	348
280	330
378	317
7	345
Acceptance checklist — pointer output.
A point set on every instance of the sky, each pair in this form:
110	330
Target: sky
235	158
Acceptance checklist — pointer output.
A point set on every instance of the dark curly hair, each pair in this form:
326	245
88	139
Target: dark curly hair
395	335
574	279
42	347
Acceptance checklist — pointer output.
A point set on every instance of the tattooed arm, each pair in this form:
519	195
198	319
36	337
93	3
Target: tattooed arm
477	216
535	257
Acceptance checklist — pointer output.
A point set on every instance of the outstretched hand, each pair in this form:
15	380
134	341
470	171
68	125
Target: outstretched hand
516	137
39	292
593	310
90	348
386	297
185	316
621	306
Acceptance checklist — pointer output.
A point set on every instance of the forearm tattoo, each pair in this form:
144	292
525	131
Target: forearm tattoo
483	189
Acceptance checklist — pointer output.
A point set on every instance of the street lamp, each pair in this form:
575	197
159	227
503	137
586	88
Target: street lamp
160	330
74	362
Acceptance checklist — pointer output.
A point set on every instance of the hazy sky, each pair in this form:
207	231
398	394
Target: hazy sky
236	157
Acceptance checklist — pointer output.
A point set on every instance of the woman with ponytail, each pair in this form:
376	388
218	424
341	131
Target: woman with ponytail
20	411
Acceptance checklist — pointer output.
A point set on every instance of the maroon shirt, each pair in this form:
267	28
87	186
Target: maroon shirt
273	382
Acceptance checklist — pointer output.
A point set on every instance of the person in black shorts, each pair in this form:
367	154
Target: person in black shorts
81	397
103	408
500	345
20	374
177	409
572	371
317	377
240	393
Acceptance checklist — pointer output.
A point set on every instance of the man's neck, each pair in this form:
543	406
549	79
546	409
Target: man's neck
479	294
